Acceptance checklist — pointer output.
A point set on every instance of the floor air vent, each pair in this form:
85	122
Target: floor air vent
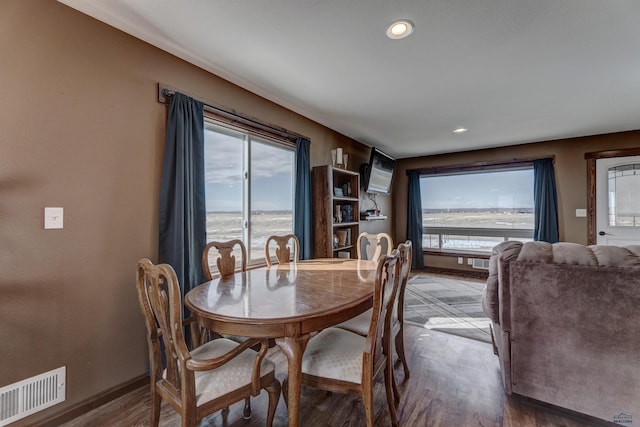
482	264
34	394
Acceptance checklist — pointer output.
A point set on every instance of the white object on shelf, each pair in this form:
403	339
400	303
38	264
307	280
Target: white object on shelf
372	217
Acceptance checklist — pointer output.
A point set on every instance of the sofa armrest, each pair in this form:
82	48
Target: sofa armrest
498	272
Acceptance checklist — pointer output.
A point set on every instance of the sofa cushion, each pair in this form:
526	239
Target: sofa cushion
557	253
615	256
576	254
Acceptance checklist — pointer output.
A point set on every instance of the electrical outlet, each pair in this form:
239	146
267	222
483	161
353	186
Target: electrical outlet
469	261
460	260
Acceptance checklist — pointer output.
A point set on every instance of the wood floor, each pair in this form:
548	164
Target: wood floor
454	381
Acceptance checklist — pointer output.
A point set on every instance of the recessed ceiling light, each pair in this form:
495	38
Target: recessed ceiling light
400	29
460	130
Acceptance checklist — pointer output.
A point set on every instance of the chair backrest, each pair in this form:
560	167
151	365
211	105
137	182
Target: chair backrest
225	258
283	249
369	246
161	304
385	288
404	251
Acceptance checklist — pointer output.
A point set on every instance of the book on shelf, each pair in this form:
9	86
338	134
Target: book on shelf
346	213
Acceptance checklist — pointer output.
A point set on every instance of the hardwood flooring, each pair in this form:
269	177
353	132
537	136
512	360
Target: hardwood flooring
455	381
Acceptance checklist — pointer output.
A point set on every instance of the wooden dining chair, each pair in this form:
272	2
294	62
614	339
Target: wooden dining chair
397	315
341	361
360	323
224	254
283	249
370	246
206	379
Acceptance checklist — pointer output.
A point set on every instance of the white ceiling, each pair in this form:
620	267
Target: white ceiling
511	71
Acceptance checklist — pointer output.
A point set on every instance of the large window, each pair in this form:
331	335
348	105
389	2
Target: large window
474	211
249	187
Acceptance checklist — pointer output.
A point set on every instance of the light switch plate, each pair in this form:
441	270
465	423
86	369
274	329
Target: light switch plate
53	218
581	213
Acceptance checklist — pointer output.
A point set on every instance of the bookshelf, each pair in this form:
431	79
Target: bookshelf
336	212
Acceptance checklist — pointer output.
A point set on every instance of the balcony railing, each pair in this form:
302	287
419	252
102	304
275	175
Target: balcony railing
460	239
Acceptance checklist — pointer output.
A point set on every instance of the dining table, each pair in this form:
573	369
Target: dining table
286	302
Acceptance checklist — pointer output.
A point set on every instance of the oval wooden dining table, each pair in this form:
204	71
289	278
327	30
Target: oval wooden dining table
287	302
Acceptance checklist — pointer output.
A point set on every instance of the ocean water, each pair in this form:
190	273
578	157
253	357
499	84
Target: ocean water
223	226
473	219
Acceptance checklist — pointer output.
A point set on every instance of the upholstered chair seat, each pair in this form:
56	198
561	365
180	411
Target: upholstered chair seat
231	376
335	353
359	324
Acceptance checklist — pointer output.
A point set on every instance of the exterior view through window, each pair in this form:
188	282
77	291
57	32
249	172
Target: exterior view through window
249	188
476	211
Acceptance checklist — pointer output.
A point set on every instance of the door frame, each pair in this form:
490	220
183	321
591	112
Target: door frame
591	184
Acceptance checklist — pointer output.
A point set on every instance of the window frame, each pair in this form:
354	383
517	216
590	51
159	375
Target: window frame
505	233
250	134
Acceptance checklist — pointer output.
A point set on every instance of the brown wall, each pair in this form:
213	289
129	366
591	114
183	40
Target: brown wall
570	170
81	128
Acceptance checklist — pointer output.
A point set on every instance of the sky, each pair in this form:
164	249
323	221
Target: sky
504	190
272	180
271	174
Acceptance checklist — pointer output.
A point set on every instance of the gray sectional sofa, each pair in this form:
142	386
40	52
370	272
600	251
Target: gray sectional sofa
566	325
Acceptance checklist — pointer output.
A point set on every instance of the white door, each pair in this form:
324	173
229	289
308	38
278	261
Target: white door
618	201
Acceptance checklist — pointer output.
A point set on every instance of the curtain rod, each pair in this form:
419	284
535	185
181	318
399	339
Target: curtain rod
165	91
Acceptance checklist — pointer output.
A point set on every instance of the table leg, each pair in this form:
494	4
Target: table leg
293	348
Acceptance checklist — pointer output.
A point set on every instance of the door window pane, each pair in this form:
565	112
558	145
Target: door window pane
624	204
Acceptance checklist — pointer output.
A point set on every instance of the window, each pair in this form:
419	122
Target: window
249	187
474	211
624	205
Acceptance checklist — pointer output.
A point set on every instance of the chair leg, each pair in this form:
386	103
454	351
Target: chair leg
396	392
367	401
188	418
400	350
247	409
274	395
389	384
156	400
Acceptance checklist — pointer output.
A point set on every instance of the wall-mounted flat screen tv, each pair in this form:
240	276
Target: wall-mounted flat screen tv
378	173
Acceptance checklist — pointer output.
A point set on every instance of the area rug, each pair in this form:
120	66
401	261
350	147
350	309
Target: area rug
448	304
